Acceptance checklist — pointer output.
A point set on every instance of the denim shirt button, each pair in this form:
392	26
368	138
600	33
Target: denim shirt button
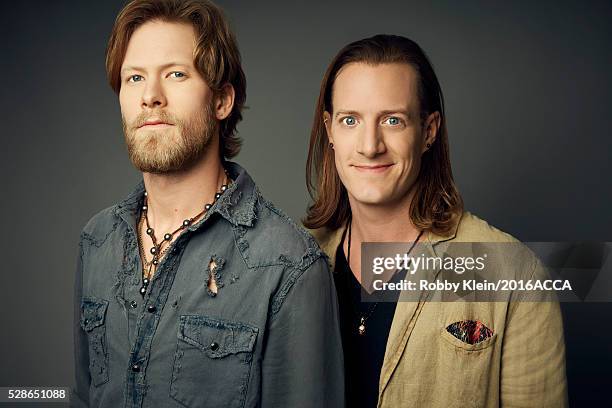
133	304
135	368
151	309
214	346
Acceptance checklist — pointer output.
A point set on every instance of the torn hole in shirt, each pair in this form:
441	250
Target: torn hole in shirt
213	281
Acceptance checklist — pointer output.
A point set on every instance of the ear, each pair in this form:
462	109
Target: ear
327	122
224	101
430	130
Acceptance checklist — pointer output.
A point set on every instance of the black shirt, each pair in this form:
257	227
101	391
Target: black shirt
363	354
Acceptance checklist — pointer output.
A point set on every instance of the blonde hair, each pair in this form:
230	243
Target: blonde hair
437	205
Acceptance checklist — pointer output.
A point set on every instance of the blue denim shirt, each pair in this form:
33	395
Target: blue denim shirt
268	337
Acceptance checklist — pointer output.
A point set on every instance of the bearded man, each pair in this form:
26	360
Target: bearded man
196	291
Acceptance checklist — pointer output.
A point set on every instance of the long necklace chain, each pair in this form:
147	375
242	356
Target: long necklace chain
159	249
361	328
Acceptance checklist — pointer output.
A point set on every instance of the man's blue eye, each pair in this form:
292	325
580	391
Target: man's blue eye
135	78
393	121
349	120
177	74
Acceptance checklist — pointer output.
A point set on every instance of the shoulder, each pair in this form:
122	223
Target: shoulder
471	228
328	239
100	226
275	238
508	256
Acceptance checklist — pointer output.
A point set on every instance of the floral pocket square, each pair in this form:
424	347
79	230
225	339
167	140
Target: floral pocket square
470	331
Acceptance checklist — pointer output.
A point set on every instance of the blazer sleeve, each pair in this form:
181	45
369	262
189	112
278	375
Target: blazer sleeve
533	354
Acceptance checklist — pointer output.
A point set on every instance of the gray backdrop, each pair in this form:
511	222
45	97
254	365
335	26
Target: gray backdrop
527	94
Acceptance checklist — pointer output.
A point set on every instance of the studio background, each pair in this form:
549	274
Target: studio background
527	90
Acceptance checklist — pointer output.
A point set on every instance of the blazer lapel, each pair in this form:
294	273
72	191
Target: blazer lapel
404	320
407	311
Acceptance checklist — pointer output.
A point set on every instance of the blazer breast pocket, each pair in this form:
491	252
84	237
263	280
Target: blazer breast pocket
466	362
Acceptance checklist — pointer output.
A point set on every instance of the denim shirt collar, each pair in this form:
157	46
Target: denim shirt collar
236	204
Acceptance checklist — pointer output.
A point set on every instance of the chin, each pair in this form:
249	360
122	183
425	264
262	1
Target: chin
156	132
373	197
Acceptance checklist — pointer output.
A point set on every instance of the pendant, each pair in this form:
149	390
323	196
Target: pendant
362	327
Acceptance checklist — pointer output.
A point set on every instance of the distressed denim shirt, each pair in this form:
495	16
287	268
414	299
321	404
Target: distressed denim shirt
267	337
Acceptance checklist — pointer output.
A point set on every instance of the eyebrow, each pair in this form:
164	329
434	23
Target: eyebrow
344	112
403	111
162	67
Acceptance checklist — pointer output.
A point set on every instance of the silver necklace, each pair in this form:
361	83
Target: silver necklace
361	328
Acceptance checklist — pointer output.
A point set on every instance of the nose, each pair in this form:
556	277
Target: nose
153	95
371	143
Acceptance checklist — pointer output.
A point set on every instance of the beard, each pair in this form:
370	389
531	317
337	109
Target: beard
170	149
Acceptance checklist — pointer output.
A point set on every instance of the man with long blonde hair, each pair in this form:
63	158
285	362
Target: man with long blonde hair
379	171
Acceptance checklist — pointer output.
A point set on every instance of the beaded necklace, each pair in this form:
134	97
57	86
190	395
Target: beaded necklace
158	250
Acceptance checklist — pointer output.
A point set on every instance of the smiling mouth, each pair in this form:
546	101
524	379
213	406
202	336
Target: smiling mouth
374	168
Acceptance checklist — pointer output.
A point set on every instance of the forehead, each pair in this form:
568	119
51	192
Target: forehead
158	42
364	87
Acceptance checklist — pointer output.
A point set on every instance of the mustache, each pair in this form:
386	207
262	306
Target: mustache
143	117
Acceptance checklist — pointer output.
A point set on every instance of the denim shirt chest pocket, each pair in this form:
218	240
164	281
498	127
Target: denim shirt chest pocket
93	316
212	363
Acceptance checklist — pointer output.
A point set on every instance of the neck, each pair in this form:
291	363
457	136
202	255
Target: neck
378	223
383	223
174	197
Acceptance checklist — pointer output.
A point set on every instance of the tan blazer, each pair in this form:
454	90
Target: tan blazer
521	365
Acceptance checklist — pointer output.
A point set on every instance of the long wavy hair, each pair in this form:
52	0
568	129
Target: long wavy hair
437	204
